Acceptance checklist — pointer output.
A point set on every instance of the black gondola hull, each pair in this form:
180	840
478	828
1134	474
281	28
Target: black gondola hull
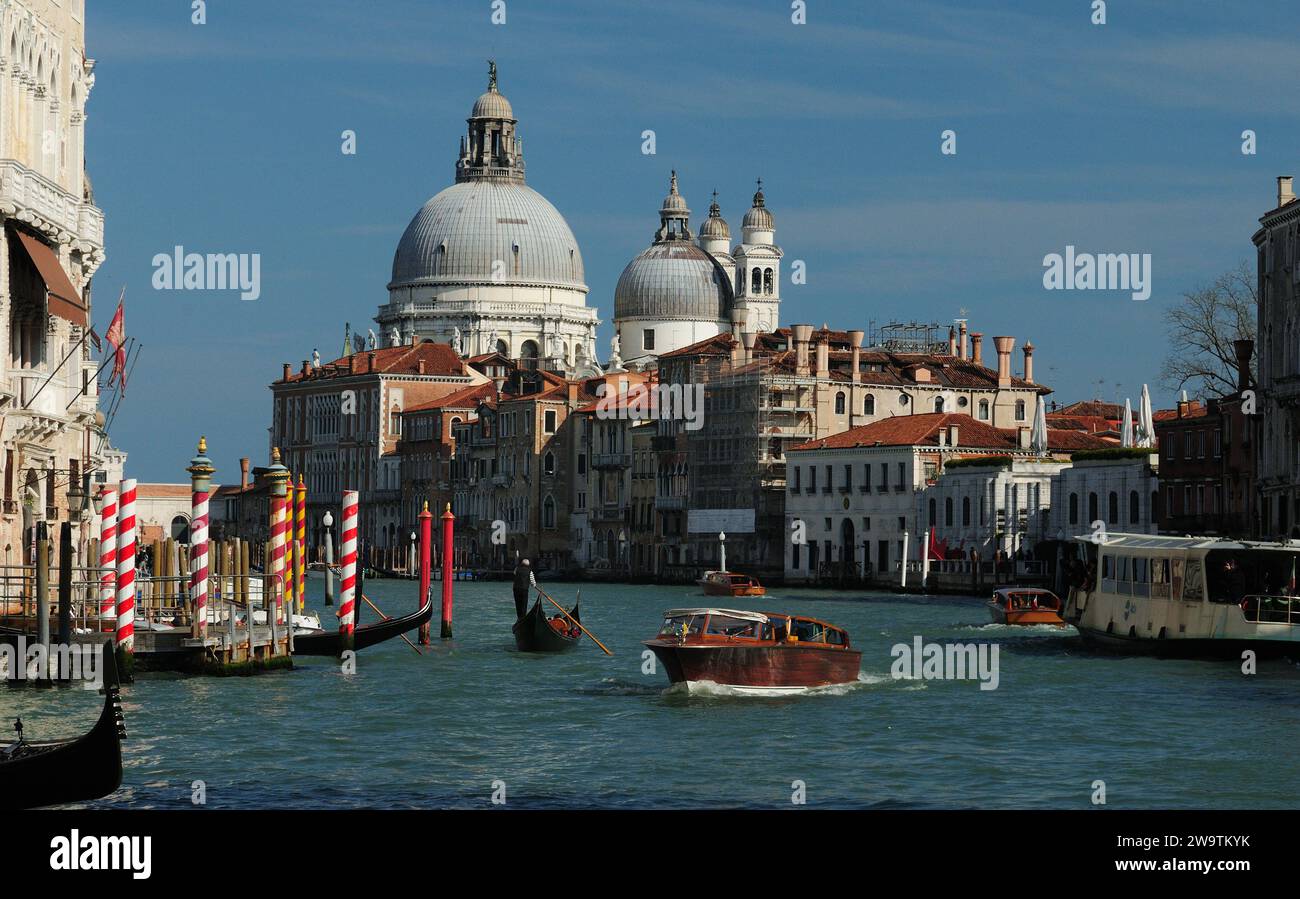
63	771
330	643
533	632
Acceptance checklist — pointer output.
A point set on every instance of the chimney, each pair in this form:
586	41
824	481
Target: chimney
352	363
573	387
286	372
952	341
419	367
1022	438
1285	192
1183	406
977	347
823	353
801	335
855	338
1004	346
748	338
306	367
370	361
942	435
962	347
243	473
1029	361
953	434
1244	349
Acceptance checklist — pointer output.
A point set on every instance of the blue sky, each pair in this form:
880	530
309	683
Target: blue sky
225	137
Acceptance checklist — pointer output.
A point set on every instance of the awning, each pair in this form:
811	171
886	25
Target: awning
63	298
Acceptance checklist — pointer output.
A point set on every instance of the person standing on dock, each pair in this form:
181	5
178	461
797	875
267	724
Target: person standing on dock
524	581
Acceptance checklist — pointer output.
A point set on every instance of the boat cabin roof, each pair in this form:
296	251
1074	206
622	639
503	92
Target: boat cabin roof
1007	591
733	613
1155	541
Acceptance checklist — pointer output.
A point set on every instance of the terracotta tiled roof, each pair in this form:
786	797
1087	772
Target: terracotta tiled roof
467	398
162	491
923	430
438	358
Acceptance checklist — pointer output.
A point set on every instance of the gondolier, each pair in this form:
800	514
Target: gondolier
524	581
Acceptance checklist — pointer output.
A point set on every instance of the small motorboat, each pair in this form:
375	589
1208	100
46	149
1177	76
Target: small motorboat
34	774
1025	605
539	631
761	653
730	583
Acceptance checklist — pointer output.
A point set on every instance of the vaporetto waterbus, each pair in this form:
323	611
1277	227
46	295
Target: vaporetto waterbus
1187	596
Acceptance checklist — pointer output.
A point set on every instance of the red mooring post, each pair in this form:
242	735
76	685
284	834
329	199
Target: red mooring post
426	551
448	577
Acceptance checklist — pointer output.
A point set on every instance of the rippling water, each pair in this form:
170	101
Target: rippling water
584	730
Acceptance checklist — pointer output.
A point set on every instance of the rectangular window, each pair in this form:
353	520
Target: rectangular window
902	476
812	478
826	488
648	339
848	478
550	421
798	480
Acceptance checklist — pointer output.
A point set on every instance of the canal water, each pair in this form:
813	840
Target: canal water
583	730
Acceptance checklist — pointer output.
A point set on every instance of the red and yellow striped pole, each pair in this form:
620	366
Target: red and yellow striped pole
300	541
108	559
290	552
200	483
126	568
348	589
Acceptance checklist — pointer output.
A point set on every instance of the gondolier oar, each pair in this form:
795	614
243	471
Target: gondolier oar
386	618
542	592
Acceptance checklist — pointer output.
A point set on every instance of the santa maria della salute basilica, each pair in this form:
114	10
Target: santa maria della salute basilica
488	265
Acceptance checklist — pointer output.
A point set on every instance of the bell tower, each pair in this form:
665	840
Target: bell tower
758	268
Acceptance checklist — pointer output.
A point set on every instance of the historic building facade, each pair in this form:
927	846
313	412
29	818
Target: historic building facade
52	432
488	264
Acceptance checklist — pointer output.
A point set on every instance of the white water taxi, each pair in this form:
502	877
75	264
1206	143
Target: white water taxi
1188	596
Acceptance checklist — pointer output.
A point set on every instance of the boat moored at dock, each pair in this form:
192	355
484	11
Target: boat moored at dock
759	653
1188	596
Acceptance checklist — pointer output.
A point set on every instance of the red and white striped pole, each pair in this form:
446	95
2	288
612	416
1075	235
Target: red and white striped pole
348	589
108	559
126	567
200	482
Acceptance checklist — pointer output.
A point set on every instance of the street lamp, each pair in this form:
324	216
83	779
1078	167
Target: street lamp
328	522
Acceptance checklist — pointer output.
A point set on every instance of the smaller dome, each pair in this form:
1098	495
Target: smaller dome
492	105
674	203
759	218
715	226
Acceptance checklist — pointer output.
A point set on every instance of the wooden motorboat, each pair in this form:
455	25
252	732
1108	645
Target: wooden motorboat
34	774
539	632
1025	605
753	652
731	583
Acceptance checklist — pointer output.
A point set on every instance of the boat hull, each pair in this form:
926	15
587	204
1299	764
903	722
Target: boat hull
715	589
533	632
331	643
1000	615
783	668
1193	648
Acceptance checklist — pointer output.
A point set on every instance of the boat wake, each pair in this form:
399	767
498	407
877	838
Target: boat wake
1055	630
617	686
711	689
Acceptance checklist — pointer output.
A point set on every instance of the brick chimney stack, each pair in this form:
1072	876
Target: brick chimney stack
1029	361
977	347
952	341
962	346
1285	192
823	353
1244	350
1004	346
243	473
855	337
286	372
802	334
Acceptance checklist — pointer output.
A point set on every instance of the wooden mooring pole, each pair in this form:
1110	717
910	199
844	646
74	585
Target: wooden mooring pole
426	551
448	577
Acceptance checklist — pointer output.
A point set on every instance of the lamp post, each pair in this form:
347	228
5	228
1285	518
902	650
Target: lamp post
328	522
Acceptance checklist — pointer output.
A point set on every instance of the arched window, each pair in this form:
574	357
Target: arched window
868	405
839	403
947	512
1074	508
756	281
965	511
548	512
1155	504
1112	508
938	404
767	281
548	463
1133	504
934	513
180	529
1092	507
1020	410
984	410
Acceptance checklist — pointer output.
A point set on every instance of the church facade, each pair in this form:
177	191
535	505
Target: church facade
488	264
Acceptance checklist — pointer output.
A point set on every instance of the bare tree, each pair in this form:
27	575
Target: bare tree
1202	327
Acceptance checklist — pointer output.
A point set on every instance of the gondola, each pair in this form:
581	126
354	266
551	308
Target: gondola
534	633
61	771
330	643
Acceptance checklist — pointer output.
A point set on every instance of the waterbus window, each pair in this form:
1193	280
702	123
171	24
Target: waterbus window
1123	569
1108	566
1192	581
1159	571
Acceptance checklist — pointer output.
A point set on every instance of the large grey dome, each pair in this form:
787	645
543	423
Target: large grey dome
463	232
673	279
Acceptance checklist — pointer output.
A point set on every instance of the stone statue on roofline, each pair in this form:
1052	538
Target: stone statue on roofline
371	340
455	340
394	337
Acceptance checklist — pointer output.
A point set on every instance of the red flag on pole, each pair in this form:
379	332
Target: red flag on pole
116	336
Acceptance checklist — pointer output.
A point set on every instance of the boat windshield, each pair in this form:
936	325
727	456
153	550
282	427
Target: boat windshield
673	627
727	626
809	631
1233	575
